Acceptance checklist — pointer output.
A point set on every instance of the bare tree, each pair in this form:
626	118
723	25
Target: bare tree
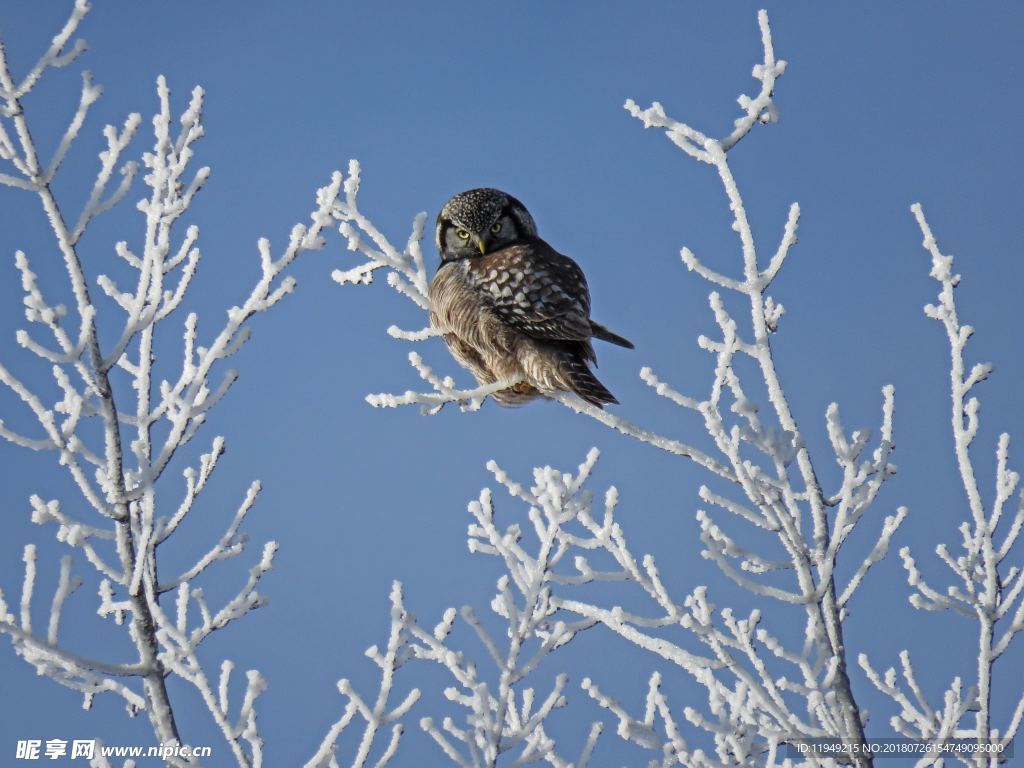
986	590
762	695
116	424
145	416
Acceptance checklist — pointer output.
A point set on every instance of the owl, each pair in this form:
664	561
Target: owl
509	306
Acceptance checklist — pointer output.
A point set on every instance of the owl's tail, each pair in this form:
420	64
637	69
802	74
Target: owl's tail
600	332
585	384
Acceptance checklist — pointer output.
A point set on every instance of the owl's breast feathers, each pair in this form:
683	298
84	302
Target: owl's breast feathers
523	310
536	290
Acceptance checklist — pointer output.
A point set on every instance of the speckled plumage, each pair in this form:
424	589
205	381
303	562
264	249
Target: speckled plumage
510	306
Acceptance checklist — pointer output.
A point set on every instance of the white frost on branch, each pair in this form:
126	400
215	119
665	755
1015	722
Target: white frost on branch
984	587
444	391
505	719
507	716
378	714
118	421
761	694
407	275
761	453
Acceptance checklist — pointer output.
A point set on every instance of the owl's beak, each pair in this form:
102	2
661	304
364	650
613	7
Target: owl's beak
481	243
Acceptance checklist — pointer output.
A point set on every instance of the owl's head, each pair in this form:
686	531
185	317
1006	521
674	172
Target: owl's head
478	221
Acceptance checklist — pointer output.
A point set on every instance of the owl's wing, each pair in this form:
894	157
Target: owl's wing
534	289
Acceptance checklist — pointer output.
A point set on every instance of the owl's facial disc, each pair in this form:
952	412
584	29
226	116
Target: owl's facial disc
481	221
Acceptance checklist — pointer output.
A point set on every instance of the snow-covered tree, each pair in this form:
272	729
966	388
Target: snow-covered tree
115	423
777	679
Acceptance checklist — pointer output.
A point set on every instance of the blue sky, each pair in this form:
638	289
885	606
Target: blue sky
882	105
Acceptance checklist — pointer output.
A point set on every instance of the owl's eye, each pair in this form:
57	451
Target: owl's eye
496	227
463	234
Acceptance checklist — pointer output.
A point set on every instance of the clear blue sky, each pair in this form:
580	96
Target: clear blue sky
882	105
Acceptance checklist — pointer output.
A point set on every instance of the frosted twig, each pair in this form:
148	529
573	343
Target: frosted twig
87	675
117	462
229	545
878	552
90	93
505	717
408	274
758	703
116	145
55	55
643	435
780	485
788	240
445	392
983	591
378	715
421	335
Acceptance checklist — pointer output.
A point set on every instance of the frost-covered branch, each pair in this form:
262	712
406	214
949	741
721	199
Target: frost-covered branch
504	716
760	451
118	420
754	707
379	714
444	392
501	719
781	487
48	656
407	275
984	587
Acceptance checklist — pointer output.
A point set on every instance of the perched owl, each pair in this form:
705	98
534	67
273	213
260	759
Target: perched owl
510	306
